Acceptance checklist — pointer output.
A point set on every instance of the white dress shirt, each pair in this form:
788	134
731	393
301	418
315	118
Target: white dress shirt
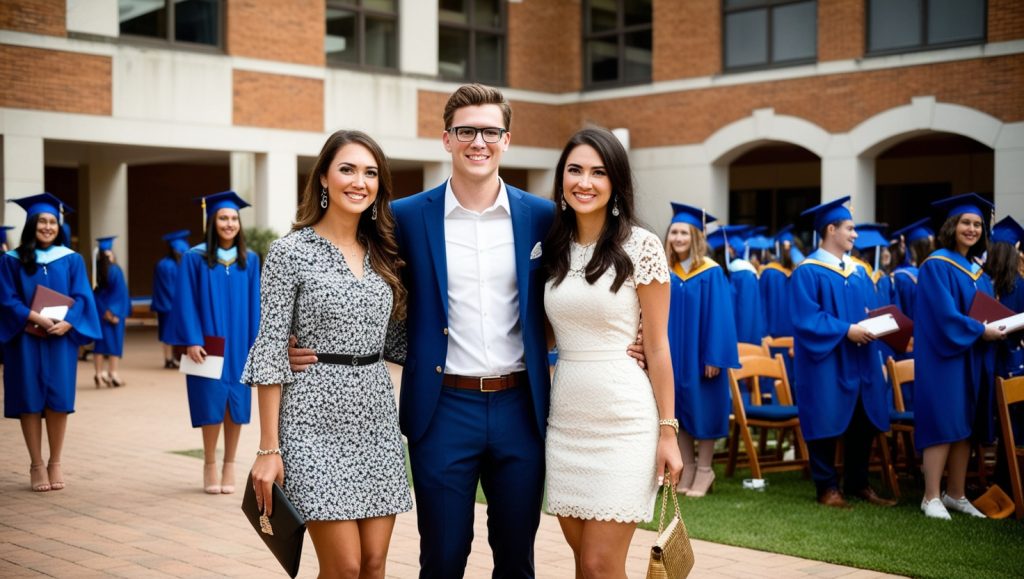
484	337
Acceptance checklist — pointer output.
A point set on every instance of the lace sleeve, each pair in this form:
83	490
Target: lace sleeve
648	255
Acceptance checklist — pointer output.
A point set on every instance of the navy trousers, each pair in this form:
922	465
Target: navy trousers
856	451
491	438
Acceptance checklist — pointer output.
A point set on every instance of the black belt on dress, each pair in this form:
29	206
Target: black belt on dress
348	359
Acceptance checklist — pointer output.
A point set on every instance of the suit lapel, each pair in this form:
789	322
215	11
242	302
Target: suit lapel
433	222
521	235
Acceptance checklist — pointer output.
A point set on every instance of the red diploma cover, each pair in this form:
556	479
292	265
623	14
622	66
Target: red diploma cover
46	298
986	309
900	339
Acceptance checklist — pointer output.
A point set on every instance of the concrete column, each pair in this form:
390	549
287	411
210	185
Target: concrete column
106	212
243	175
854	176
541	182
275	196
435	173
21	175
1009	172
417	25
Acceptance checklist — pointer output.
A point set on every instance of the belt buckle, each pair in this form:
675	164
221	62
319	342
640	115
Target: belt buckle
482	378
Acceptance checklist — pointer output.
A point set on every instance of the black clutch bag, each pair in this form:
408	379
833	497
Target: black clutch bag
282	531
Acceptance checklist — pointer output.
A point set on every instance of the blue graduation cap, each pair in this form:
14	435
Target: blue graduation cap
695	216
915	231
870	235
784	234
3	232
726	234
828	212
106	243
214	203
971	203
42	203
178	240
759	243
1008	231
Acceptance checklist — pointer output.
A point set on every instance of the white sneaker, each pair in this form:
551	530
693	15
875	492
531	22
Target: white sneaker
934	509
961	505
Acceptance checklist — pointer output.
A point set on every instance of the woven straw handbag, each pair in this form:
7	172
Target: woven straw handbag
672	554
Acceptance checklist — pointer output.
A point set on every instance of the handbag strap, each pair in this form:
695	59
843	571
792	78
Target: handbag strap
665	492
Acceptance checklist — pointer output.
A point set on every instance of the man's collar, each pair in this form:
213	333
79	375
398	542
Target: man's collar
826	257
451	203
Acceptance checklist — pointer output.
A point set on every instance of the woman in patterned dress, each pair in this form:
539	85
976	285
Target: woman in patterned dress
329	435
611	429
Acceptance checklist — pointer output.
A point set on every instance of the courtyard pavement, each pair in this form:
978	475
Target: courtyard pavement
135	508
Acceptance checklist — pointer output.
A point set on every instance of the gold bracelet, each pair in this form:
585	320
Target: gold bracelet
261	452
670	422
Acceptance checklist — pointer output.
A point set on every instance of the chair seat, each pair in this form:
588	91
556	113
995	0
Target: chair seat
771	412
904	417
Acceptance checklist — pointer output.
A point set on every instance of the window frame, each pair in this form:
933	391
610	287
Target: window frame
770	6
472	28
619	33
923	46
361	13
168	41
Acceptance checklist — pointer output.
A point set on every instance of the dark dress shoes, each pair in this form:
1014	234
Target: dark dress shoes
869	495
833	498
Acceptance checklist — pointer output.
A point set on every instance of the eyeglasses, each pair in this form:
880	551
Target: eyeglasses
468	134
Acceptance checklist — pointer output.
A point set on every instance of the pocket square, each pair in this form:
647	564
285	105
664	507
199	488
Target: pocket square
536	251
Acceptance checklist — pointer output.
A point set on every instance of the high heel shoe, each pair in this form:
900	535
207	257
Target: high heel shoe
117	381
703	483
227	478
56	478
686	479
105	379
96	379
209	479
39	477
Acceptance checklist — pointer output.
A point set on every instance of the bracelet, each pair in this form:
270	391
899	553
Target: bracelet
670	422
261	452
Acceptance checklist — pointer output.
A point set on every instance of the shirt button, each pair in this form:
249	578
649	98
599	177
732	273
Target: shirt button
444	331
438	369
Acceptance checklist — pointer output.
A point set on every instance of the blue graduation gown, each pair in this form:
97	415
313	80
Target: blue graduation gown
952	363
112	297
164	280
701	333
1010	353
904	289
40	373
774	285
831	370
883	289
220	301
746	302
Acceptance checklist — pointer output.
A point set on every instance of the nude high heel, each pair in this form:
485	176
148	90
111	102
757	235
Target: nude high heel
210	484
703	483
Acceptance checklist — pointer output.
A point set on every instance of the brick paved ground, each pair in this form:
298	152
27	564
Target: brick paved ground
133	508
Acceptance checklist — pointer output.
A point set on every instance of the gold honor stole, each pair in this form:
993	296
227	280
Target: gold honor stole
685	275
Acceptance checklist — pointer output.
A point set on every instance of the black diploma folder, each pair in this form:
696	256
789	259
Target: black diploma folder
282	532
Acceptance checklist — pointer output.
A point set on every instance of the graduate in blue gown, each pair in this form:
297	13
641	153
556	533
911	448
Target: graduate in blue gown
953	354
703	342
774	285
40	373
870	244
742	276
842	392
113	306
1005	265
218	294
915	243
165	277
4	243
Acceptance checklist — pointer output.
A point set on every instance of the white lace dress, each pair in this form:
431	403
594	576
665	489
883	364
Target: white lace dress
603	426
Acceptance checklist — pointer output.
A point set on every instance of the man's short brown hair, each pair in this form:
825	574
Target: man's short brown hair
469	95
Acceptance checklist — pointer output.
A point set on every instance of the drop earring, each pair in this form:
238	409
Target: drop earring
323	197
615	208
563	204
373	212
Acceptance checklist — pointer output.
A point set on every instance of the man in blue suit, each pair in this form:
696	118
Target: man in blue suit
475	386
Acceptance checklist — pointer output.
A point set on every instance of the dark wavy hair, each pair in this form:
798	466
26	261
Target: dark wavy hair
946	238
103	262
213	242
377	234
1002	264
27	247
608	251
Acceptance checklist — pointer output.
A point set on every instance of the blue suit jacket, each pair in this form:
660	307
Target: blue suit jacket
420	232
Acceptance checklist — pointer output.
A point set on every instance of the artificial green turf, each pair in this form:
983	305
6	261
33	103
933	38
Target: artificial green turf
786	519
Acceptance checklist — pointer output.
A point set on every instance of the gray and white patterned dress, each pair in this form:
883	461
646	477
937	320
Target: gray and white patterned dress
338	428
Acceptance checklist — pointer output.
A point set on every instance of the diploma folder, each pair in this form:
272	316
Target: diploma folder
986	309
47	298
213	366
899	338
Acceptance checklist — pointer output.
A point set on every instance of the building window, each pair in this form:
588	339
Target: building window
362	33
617	42
471	40
187	21
766	33
907	25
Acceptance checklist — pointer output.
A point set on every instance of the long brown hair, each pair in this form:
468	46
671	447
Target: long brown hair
377	234
946	238
698	248
1002	264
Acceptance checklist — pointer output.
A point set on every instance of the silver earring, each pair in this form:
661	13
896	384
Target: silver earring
373	213
563	203
615	208
323	197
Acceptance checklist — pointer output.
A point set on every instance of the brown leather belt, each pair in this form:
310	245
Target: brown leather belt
484	383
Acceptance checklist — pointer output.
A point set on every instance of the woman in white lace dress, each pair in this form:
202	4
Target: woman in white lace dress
611	429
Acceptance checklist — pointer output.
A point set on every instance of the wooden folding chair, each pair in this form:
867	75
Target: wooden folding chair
780	342
901	419
748	349
1010	391
780	417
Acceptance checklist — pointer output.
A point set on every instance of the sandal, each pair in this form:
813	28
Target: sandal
39	477
227	482
56	479
105	379
209	476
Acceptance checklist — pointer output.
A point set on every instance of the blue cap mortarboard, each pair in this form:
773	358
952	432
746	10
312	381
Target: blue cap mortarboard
1008	231
695	216
106	243
829	212
178	240
41	203
3	232
915	231
967	203
718	237
760	242
218	201
785	234
870	235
